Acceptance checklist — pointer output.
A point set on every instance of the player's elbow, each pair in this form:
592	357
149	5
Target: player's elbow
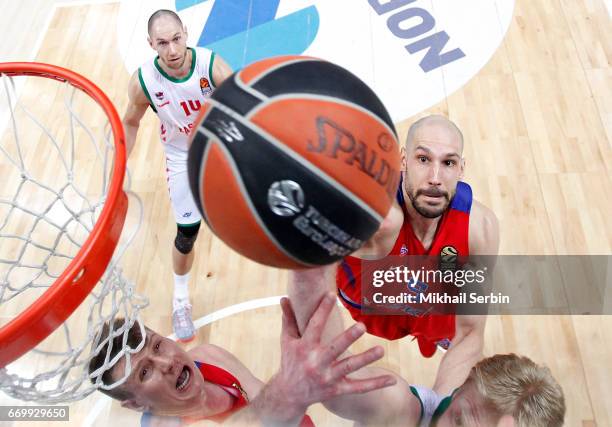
129	121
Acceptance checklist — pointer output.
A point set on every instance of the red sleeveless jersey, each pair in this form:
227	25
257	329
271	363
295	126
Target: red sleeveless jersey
429	330
227	382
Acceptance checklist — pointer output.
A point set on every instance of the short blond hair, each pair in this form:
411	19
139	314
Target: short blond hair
515	385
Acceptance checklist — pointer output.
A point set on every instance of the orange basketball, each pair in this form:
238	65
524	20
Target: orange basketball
294	162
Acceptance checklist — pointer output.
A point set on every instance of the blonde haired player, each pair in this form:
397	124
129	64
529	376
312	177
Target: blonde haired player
176	85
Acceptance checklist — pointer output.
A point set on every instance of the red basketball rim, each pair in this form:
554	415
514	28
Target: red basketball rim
58	302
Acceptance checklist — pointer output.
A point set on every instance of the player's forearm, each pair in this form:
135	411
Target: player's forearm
367	409
465	351
131	131
306	289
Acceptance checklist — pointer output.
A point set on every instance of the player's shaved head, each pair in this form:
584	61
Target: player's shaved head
168	37
161	13
434	120
432	164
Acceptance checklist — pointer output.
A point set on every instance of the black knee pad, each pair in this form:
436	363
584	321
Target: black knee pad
186	237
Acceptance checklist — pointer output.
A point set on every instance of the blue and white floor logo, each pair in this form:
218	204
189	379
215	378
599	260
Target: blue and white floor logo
413	53
245	31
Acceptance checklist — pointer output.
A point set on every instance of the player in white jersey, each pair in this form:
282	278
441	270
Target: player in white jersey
175	84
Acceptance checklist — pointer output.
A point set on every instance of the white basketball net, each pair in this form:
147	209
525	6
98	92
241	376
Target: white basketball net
56	157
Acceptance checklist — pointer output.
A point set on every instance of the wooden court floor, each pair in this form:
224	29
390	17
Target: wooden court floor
537	120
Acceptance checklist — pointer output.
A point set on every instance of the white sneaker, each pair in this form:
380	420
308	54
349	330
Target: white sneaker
182	324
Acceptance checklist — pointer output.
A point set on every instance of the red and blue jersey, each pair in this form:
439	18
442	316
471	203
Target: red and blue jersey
429	329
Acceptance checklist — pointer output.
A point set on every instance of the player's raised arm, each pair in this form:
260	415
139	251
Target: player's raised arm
465	350
467	345
137	107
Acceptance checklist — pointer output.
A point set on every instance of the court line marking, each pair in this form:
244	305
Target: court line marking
41	36
234	309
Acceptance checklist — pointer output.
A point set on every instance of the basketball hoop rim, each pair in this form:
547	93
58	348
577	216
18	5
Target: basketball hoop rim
69	290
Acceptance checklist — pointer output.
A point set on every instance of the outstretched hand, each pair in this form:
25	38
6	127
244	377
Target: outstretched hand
312	371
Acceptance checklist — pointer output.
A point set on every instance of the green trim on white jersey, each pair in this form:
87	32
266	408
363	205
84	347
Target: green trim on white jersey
144	89
210	70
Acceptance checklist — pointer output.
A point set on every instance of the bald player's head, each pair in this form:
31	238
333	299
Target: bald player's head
162	13
432	162
168	36
438	121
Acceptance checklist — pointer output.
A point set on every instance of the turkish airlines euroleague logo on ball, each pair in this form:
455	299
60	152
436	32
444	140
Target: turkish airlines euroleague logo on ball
286	198
413	53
